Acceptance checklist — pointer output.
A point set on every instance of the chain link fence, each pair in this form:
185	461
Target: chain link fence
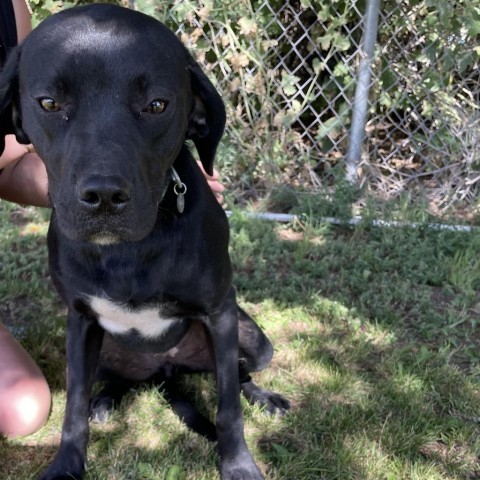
287	76
288	73
423	132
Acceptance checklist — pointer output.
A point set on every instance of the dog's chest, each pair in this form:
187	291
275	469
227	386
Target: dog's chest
118	319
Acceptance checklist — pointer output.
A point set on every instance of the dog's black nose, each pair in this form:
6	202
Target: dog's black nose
100	192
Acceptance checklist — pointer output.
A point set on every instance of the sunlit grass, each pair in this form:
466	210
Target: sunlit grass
376	347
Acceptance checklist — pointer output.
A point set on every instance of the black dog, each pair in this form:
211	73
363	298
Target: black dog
137	241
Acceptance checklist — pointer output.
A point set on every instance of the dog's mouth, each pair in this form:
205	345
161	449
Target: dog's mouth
104	239
106	232
112	226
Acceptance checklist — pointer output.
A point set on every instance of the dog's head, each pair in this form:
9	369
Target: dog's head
108	96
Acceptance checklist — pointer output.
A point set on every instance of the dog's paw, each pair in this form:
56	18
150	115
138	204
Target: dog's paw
244	472
69	464
67	476
272	402
61	474
101	408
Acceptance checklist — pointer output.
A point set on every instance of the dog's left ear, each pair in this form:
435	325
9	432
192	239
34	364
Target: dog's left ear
10	115
207	119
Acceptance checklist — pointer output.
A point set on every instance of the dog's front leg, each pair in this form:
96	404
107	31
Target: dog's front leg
236	461
84	340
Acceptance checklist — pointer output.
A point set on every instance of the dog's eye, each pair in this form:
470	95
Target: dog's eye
156	107
49	104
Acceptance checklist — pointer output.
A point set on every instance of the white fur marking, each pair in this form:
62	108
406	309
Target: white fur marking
118	319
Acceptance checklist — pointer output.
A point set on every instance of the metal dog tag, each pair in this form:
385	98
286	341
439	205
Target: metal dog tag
180	190
180	202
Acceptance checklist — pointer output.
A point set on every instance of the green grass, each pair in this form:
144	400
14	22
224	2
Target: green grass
377	347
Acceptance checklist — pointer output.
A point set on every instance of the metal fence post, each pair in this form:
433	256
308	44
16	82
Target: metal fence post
360	103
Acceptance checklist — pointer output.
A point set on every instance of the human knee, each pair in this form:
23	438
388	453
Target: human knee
24	407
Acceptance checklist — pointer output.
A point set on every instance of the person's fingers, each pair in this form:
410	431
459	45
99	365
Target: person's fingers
213	182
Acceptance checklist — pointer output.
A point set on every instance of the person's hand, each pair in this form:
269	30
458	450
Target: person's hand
213	182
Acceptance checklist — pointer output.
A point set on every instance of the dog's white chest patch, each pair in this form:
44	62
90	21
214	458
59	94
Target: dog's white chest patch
119	319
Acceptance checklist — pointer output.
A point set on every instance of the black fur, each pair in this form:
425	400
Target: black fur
84	88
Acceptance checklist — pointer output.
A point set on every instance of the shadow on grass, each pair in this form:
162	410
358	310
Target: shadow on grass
24	462
380	307
115	452
376	415
361	320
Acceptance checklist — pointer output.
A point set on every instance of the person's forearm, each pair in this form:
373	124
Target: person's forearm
24	181
23	178
22	19
13	151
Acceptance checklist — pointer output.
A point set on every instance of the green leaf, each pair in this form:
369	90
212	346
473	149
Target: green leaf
247	25
176	472
388	78
324	13
181	10
316	65
466	62
145	470
340	70
474	27
289	84
53	5
328	127
281	451
342	43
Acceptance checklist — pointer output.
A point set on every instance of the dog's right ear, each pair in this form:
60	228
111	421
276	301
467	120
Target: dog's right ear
10	115
207	121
